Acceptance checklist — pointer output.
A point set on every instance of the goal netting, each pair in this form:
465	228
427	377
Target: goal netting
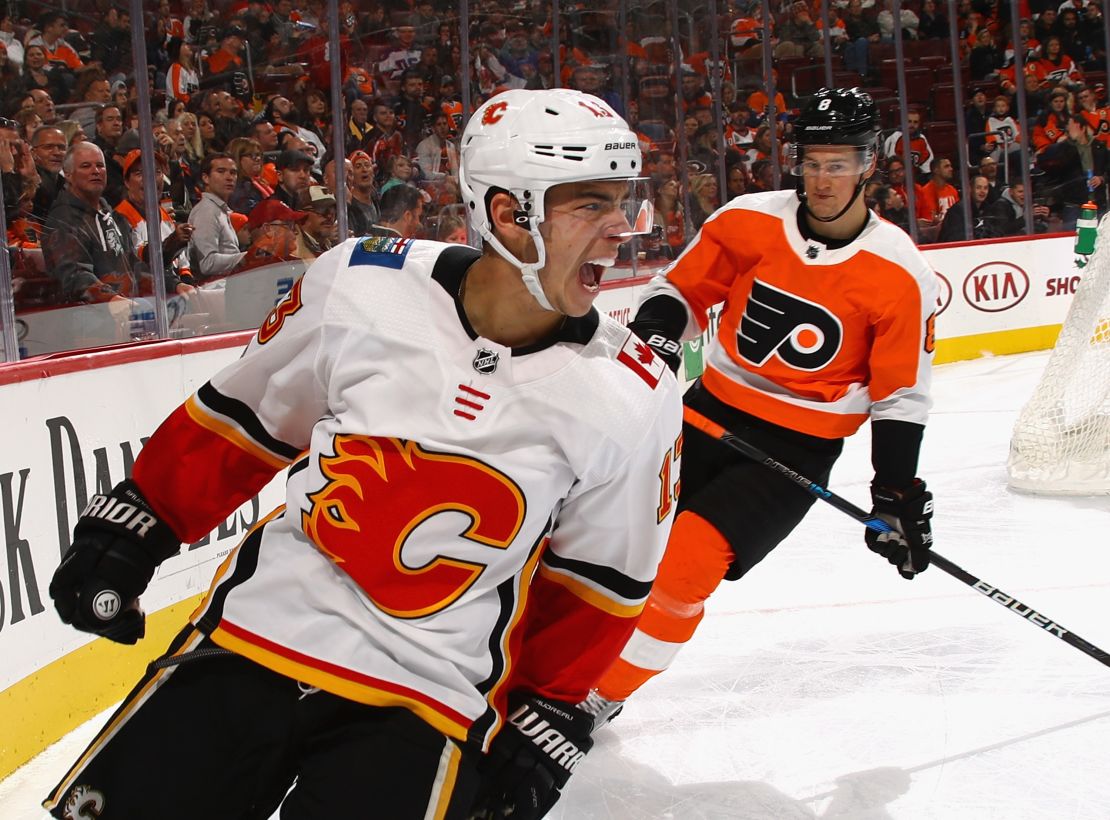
1061	442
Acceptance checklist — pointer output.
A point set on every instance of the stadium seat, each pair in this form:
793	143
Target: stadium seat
943	138
888	72
934	61
919	85
914	50
810	80
944	101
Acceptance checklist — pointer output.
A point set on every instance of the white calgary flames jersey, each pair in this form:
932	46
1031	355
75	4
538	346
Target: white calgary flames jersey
461	518
812	337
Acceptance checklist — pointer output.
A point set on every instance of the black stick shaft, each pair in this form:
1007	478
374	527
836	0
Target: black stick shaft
711	428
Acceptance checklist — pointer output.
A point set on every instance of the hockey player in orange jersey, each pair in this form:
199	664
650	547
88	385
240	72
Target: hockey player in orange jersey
476	458
827	322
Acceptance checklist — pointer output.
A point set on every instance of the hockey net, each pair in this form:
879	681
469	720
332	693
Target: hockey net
1061	442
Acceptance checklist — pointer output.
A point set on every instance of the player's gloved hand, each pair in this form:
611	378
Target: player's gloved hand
117	544
532	758
649	331
908	510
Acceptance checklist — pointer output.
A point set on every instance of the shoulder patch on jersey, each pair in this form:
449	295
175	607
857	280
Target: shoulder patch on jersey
387	251
641	360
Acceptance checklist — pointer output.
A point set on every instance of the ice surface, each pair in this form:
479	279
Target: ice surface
823	685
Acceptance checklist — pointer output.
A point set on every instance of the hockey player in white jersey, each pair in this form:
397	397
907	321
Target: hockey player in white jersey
480	484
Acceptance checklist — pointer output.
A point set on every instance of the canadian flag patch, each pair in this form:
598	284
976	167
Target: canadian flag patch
641	360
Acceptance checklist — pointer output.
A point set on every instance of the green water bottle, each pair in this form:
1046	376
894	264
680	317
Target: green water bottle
1085	232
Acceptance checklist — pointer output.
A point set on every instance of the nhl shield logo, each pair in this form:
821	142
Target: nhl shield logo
485	361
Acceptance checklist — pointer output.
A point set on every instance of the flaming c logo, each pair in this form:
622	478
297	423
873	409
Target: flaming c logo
494	113
380	491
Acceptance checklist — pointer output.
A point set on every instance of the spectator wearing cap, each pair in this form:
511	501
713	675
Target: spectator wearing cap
272	227
174	237
251	187
214	247
402	213
229	56
362	210
1052	125
317	231
294	176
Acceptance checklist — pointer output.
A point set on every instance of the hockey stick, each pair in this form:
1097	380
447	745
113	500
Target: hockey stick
714	430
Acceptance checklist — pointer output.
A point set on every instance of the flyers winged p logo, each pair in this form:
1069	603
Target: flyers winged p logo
801	333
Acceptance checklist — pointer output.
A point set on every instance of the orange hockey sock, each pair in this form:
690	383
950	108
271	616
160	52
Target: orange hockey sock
696	560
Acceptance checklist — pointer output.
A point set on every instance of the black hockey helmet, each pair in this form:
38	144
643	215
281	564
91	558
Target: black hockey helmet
837	116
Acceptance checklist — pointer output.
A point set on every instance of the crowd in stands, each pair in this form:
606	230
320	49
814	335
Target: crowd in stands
242	101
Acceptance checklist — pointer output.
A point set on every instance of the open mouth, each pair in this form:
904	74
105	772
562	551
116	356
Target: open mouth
591	272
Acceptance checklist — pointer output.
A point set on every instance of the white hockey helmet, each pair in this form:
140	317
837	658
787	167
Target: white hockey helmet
523	142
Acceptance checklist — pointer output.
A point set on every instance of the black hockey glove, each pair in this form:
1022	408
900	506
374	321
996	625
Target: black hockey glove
907	510
651	332
117	544
532	758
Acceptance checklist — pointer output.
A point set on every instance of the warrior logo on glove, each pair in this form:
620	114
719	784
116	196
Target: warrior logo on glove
554	744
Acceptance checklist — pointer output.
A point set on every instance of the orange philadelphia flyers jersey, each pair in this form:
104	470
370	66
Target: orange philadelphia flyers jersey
812	338
456	524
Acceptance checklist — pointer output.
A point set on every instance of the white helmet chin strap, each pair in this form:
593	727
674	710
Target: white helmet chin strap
529	271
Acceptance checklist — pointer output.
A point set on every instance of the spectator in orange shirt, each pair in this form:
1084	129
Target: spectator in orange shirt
1052	126
1097	117
1055	68
54	27
757	102
936	196
227	63
694	95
